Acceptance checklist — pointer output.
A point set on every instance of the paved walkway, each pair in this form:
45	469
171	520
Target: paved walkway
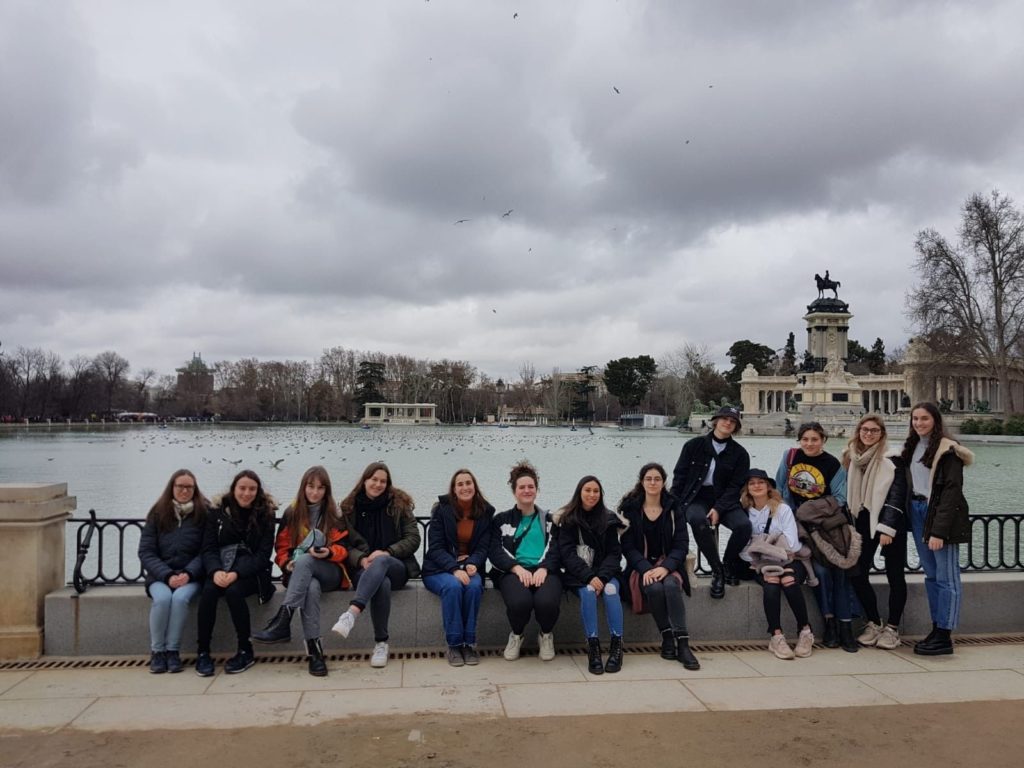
123	699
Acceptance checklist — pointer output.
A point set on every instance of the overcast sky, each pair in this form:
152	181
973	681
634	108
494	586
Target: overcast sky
269	179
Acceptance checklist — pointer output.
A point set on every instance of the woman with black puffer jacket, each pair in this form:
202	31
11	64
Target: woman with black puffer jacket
170	550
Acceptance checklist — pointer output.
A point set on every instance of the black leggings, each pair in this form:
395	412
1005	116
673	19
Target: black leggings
543	601
736	520
234	596
895	557
772	597
665	600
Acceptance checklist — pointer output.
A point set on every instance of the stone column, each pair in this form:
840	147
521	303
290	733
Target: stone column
32	521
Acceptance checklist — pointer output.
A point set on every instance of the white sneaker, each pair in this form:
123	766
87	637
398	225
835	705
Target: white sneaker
380	655
804	643
344	624
780	647
888	638
546	641
870	635
515	642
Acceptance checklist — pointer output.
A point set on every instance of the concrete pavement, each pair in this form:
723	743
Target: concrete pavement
130	698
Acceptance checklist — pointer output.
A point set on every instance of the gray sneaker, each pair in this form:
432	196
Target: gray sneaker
546	643
380	655
470	655
888	638
454	656
870	635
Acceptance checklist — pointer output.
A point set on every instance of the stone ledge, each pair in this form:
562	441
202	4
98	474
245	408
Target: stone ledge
114	620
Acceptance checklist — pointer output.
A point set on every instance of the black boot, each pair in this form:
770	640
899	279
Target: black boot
927	639
941	644
614	663
683	653
278	629
717	583
317	665
729	573
831	636
846	638
668	644
594	664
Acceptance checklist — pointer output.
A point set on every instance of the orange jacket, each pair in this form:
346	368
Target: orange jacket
338	536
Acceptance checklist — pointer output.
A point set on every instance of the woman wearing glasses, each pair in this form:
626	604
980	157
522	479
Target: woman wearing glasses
876	487
170	552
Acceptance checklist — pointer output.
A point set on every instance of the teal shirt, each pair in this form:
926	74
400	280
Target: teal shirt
531	549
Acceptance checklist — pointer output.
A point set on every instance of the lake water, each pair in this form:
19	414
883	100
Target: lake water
120	470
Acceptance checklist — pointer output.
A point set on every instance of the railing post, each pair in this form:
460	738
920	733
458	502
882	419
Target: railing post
32	521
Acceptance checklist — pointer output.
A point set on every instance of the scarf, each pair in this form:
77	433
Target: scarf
868	480
181	511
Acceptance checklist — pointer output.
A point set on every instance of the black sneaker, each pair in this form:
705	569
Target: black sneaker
174	662
157	662
240	662
204	665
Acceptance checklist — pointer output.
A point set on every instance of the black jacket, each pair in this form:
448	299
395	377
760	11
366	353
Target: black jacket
253	559
948	512
731	466
607	563
443	543
167	553
502	550
894	511
674	537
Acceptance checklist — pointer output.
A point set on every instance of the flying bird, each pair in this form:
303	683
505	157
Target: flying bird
507	213
460	221
492	310
276	464
515	15
616	89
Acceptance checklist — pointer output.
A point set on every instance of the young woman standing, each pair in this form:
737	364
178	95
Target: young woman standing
805	474
939	518
591	557
877	488
655	546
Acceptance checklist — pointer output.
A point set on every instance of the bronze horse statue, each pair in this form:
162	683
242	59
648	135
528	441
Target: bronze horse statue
826	284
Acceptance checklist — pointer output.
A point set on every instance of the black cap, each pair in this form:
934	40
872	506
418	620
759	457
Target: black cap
760	474
728	412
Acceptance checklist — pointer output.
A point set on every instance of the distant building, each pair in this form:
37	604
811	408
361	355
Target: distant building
400	413
196	377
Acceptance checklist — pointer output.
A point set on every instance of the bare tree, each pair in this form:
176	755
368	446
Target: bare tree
969	305
27	363
111	368
140	384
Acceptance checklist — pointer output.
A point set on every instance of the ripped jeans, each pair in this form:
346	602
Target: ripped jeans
612	608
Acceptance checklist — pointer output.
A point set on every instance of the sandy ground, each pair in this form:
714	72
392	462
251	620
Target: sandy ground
987	734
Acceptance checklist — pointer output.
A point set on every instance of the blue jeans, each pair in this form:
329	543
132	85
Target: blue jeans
612	608
941	572
168	613
833	592
459	605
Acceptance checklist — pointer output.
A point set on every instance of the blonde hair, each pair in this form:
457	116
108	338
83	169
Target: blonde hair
774	498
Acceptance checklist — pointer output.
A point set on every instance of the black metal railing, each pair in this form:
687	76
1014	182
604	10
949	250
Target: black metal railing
996	546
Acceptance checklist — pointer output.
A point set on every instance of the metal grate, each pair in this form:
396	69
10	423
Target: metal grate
130	662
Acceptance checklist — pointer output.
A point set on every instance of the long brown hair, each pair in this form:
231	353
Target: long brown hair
855	441
162	511
478	505
262	506
573	513
298	521
938	432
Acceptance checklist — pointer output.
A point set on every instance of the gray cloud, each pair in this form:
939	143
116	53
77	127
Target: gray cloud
267	180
